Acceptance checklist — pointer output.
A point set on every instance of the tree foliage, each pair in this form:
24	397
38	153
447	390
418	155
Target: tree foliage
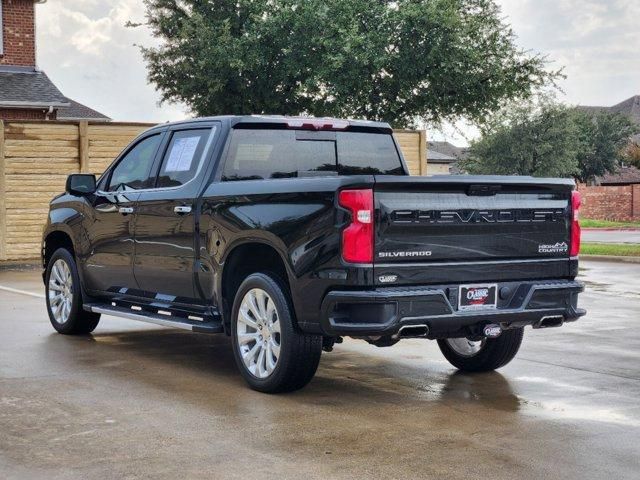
542	141
632	152
551	140
603	138
390	60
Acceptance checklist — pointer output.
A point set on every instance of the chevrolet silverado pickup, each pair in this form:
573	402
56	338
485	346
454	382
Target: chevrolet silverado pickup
289	234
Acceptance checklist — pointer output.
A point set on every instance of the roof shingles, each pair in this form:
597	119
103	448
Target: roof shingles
22	87
78	111
629	107
622	176
26	87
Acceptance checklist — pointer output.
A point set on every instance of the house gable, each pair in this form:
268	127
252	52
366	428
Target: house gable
25	91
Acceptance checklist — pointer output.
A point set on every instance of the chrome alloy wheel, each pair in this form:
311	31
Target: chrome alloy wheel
465	347
60	291
258	333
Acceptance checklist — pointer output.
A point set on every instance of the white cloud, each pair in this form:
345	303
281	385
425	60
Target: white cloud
85	48
596	41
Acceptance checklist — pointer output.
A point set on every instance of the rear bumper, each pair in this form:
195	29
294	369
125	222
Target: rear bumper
384	311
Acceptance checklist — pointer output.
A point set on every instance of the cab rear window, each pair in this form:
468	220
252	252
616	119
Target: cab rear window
260	154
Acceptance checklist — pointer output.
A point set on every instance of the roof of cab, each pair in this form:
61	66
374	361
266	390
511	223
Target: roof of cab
279	119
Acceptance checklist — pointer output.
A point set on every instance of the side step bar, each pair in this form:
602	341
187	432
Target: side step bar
148	317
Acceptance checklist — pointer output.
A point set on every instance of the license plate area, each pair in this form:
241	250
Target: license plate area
477	297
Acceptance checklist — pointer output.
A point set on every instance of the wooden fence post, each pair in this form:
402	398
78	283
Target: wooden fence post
3	196
83	146
423	152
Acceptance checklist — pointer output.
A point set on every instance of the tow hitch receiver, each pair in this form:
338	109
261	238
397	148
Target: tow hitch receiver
492	330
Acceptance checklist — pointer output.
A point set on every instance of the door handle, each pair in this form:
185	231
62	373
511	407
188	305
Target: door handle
125	210
106	208
181	210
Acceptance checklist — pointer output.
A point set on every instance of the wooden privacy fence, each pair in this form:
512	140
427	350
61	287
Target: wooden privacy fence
35	160
37	157
413	144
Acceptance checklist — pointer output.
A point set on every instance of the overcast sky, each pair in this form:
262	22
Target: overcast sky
85	48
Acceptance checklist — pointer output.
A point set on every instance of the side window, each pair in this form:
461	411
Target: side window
182	158
132	172
264	154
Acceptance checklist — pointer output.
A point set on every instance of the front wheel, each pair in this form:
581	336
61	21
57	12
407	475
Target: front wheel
64	298
482	355
271	353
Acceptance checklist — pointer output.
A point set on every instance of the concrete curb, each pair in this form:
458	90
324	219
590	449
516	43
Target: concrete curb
610	258
611	229
23	265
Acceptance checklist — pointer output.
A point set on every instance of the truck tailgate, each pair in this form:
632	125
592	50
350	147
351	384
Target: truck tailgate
470	220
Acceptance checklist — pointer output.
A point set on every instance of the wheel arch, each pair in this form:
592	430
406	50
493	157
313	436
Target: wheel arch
241	260
54	239
63	218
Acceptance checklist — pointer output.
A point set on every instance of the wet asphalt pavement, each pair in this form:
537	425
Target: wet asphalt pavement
139	401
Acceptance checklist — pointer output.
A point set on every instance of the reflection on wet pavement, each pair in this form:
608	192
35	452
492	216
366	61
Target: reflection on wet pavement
139	401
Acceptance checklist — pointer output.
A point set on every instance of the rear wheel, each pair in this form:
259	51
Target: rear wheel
64	299
271	353
482	355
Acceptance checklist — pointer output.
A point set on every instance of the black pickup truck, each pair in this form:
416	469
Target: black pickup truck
290	233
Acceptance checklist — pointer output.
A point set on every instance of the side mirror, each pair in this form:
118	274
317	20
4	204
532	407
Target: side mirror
80	184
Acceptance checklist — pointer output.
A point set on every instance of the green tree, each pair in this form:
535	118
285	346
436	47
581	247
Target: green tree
603	138
539	140
397	61
632	153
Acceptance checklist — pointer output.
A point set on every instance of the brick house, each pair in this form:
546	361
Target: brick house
26	92
443	158
629	107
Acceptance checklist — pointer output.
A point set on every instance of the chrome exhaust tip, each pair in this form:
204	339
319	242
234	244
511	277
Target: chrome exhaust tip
413	331
550	321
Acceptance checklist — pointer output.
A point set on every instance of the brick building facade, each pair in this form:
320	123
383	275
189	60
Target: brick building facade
19	33
26	92
27	114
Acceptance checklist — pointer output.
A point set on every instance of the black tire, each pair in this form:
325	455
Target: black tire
299	352
493	354
78	320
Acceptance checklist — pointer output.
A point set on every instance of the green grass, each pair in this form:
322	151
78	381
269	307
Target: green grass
590	223
613	249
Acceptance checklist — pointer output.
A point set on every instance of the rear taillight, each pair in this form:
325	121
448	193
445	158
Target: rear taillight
357	238
576	200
